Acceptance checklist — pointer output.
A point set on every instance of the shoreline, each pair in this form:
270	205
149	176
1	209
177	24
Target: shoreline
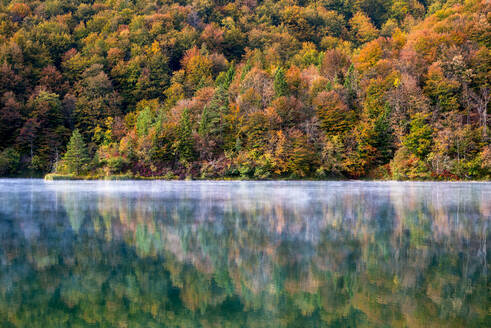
60	177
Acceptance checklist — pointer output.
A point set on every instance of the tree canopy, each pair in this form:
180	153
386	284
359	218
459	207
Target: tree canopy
255	89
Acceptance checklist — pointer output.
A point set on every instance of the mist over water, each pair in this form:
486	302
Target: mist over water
244	254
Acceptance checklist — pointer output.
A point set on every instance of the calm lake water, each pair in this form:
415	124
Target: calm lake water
244	254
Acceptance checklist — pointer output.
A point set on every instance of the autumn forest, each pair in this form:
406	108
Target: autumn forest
250	89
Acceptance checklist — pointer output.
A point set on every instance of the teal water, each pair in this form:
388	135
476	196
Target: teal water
244	254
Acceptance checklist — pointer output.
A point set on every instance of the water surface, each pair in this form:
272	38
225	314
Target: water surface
244	254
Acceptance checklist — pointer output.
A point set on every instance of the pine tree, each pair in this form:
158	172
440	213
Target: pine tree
224	79
211	123
280	85
76	157
350	85
184	145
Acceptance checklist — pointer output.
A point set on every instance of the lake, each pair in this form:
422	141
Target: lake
244	254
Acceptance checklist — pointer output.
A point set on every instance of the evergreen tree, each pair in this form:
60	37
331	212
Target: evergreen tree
280	85
224	79
211	119
205	122
350	85
184	146
76	157
383	137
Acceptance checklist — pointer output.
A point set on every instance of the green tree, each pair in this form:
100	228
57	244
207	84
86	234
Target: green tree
280	85
211	120
224	79
145	120
76	157
420	138
184	146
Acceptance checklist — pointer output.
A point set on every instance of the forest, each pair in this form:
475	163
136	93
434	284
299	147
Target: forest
250	89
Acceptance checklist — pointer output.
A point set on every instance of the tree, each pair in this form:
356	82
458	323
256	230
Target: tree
334	115
420	138
362	28
280	85
441	90
184	145
377	10
10	117
28	133
76	158
96	99
375	141
198	68
224	79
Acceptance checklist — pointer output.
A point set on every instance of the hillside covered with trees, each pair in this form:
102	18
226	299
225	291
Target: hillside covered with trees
248	88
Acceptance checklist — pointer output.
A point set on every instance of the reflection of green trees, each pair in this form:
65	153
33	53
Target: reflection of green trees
354	260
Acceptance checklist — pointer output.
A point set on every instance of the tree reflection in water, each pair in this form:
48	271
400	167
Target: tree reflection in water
244	254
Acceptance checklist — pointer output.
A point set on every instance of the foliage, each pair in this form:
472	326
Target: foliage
259	89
